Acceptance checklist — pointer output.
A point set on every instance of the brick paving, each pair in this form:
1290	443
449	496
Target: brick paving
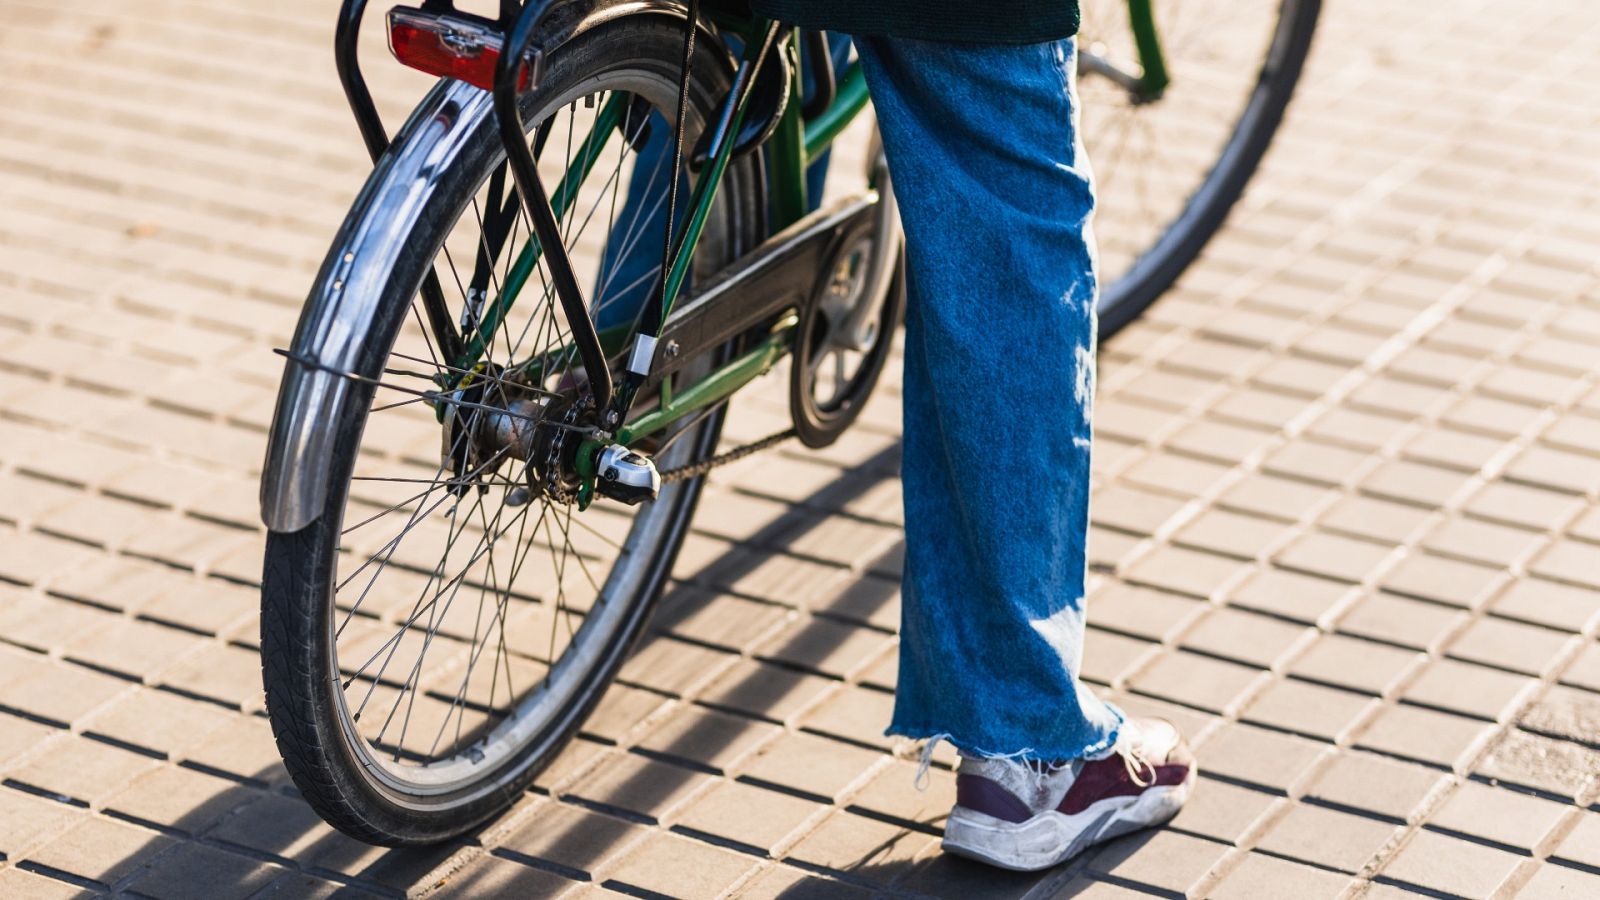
1348	509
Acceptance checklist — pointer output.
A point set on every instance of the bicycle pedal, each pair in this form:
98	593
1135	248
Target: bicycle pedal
626	476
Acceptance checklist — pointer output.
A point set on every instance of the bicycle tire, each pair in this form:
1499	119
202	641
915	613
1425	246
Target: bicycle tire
315	734
1153	272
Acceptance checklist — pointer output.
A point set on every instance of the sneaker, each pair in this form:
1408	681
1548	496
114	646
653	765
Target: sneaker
1027	815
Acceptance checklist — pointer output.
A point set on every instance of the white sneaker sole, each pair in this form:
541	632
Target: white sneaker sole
1051	837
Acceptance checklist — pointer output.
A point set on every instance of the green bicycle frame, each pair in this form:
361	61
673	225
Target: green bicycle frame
794	145
1154	78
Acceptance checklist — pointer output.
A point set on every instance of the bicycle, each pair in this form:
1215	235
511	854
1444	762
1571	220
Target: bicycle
417	680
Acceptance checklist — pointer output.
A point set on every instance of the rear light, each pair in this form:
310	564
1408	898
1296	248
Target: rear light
448	46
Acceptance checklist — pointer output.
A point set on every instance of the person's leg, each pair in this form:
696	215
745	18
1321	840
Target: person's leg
996	199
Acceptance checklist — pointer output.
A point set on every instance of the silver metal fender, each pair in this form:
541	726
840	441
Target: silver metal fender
344	302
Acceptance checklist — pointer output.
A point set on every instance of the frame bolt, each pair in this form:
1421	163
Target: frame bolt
671	349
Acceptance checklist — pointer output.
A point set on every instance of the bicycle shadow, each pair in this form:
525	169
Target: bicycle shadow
294	853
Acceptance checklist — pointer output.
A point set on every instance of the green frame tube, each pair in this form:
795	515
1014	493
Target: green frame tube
795	144
1154	77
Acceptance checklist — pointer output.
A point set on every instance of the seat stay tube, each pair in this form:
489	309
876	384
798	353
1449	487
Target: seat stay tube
724	137
519	157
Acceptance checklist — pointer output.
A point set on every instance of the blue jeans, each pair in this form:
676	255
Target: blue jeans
996	199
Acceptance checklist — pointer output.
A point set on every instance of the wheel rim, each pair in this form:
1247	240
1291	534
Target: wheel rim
448	670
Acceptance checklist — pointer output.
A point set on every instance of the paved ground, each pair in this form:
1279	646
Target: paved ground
1348	532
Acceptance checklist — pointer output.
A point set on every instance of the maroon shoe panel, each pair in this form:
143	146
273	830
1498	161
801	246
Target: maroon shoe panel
1105	778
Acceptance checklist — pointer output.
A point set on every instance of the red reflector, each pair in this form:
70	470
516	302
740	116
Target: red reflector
448	47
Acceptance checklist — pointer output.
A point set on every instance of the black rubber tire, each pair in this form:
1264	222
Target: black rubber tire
1127	298
297	668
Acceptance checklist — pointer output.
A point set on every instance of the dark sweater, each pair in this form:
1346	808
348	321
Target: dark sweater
988	22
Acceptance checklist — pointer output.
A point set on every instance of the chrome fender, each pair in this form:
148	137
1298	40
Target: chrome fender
344	303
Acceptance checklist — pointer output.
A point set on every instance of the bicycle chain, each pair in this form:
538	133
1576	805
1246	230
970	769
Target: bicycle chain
695	470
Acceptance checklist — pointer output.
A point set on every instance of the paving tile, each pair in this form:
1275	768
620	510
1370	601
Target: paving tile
855	714
638	785
1258	876
1250	638
1108	656
1142	612
1196	680
195	869
1559	882
1134	509
1327	837
1543	763
1483	542
491	876
1375	784
1355	664
1549	603
1456	686
1518	821
1582	843
1444	580
794	884
1185	571
101	850
755	817
82	769
1517	504
158	720
827	647
62	692
1332	556
1374	519
1401	620
766	690
25	885
1232	534
1309	709
1529	649
573	838
1565	712
1424	734
1451	865
1222	811
1585	670
1165	860
20	736
1278	498
1459	450
1570	561
180	798
26	821
1559	470
719	619
814	765
1291	595
707	737
872	850
1258	756
671	865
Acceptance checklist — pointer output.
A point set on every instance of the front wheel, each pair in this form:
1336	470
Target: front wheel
1168	170
438	632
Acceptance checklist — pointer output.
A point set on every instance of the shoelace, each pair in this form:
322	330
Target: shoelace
1134	761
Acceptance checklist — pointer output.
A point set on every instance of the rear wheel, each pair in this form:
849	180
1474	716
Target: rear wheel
440	631
1168	170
